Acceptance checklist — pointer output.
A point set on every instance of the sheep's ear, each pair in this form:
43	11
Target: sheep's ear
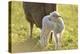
51	13
54	11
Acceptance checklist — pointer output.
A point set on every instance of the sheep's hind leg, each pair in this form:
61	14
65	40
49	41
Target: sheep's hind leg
44	37
31	29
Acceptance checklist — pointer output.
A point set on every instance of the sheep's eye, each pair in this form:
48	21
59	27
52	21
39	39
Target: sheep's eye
54	16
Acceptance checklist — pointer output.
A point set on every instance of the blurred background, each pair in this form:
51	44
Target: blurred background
20	29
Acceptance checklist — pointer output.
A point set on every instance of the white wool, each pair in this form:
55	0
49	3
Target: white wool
55	13
49	24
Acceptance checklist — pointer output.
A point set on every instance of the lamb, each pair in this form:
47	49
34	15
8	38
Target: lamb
52	23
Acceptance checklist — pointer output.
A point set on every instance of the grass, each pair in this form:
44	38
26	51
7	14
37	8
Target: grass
70	16
21	29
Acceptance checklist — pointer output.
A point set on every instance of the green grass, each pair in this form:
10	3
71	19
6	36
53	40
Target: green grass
70	16
21	28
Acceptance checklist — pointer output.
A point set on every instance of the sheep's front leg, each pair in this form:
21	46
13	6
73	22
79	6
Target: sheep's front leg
56	40
59	40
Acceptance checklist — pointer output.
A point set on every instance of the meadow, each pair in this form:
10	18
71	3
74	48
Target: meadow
20	29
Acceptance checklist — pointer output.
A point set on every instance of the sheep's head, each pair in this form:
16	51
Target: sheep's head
55	14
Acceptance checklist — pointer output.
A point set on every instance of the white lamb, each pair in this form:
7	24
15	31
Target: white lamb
52	23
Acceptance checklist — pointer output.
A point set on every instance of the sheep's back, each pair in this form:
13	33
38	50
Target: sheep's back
34	12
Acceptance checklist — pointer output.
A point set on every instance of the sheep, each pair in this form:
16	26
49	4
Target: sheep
52	23
35	12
